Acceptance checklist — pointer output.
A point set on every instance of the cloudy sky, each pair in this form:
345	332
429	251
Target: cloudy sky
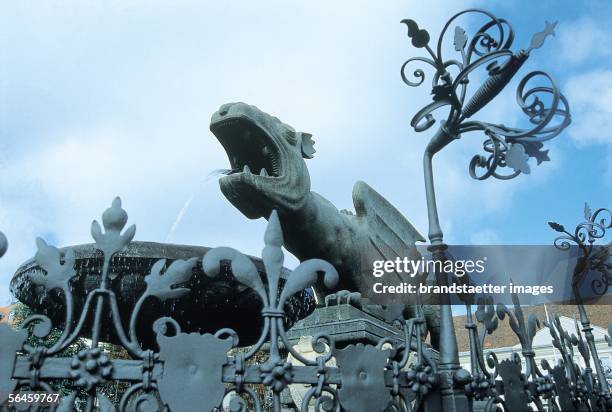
107	98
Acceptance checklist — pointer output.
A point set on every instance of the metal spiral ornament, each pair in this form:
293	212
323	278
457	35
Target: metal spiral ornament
506	147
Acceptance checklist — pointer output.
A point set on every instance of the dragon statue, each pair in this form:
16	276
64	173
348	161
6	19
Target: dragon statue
268	172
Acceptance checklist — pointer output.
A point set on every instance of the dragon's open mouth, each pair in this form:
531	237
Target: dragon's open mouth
250	149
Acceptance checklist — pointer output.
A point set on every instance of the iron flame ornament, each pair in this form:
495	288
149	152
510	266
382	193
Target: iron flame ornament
538	96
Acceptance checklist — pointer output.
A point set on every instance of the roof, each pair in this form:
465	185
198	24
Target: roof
5	311
543	337
503	336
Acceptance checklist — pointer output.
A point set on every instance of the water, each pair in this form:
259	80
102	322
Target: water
215	174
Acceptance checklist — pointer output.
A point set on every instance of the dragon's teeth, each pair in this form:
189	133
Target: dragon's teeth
246	169
263	172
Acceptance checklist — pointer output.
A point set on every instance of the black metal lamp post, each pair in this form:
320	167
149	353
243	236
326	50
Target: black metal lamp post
504	147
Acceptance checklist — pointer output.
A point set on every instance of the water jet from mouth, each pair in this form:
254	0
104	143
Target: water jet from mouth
179	217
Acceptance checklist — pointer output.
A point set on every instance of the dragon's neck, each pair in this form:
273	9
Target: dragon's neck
319	230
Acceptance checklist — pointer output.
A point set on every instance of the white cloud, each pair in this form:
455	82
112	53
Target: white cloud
581	41
589	82
486	237
115	100
590	96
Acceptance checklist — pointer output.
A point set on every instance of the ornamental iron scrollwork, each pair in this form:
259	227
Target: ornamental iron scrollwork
276	372
200	371
594	258
506	149
587	388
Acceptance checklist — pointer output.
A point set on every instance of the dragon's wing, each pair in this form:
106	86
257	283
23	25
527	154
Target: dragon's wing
389	231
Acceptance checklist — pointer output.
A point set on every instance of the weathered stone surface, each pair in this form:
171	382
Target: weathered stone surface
346	324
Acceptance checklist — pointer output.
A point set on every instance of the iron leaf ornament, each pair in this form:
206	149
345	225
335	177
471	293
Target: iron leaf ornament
506	149
419	37
534	149
58	274
516	158
485	314
538	39
556	227
460	39
163	286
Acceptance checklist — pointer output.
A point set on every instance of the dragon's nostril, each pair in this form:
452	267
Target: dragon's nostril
223	112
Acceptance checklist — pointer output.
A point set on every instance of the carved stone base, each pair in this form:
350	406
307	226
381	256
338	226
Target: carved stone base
347	325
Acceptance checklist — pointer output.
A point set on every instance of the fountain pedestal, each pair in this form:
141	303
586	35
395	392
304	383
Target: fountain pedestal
346	324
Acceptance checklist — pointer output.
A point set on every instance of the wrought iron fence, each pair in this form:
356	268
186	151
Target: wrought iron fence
193	371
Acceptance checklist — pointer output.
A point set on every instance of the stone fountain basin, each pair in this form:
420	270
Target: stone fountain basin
212	304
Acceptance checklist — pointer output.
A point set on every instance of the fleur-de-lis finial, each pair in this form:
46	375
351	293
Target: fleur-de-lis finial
113	219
